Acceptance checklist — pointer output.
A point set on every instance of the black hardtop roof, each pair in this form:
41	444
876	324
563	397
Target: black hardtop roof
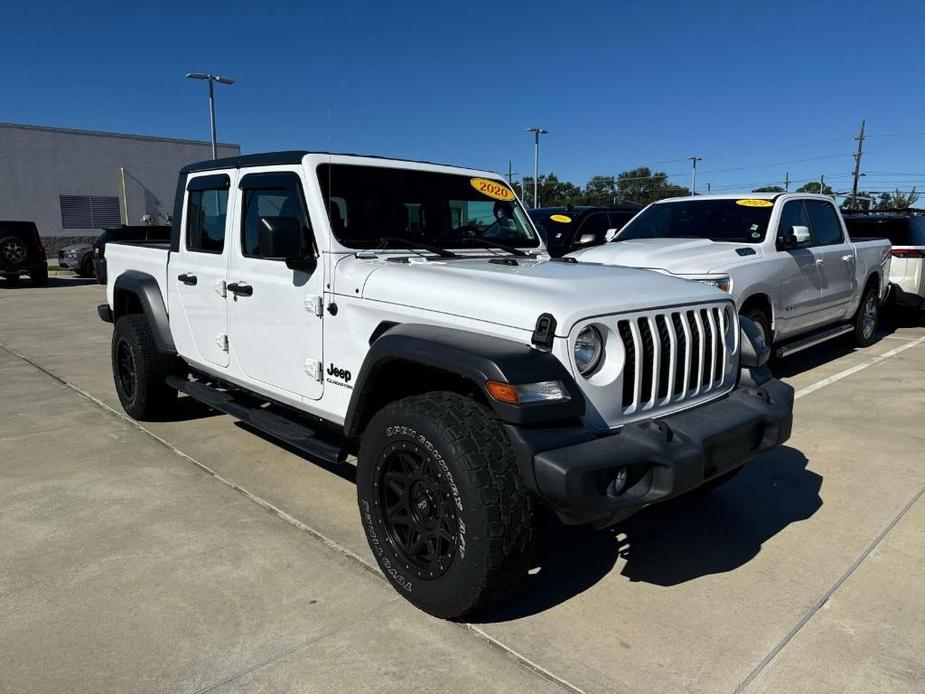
289	157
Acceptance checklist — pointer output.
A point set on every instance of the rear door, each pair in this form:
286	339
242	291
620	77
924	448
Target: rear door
197	274
276	322
798	278
838	267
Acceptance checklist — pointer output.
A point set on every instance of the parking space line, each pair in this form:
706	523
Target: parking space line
854	369
521	660
816	606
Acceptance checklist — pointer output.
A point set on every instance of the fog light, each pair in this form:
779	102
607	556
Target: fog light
619	482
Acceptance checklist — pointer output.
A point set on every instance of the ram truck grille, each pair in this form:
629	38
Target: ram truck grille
672	358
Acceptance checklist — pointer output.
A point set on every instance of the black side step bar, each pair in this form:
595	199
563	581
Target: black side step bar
257	414
814	339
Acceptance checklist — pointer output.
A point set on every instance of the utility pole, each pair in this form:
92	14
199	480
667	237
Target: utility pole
708	188
787	182
822	184
694	161
536	162
857	167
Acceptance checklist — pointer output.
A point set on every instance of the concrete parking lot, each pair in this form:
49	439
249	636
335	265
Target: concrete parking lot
195	555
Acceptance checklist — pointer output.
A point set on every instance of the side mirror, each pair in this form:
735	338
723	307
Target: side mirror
796	236
610	234
586	239
283	238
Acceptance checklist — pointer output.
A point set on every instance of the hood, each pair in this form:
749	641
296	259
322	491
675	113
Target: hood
516	295
678	256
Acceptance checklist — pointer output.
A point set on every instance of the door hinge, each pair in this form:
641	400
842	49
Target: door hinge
222	341
313	369
220	288
315	305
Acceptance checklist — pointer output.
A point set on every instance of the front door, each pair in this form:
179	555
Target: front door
838	260
197	273
798	278
275	312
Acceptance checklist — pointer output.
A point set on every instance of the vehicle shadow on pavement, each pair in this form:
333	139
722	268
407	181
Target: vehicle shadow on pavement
53	282
189	409
818	355
674	542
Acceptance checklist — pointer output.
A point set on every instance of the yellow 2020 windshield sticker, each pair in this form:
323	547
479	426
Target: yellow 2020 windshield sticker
492	189
755	203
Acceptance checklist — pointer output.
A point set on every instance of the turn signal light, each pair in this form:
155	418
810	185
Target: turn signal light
544	391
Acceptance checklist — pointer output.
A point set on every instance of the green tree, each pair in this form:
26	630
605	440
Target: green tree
864	201
643	186
768	189
897	199
600	190
813	187
552	191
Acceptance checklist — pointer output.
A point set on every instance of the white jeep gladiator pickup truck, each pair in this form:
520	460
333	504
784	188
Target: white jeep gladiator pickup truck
407	313
786	259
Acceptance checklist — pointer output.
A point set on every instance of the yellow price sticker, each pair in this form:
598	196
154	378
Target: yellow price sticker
755	203
492	189
561	218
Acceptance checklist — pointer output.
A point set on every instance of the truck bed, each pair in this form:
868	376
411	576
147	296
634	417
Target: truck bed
151	257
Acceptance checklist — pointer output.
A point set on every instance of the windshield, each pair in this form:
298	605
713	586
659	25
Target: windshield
740	221
373	206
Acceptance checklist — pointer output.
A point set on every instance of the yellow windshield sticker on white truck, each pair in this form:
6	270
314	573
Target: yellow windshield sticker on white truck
561	218
492	189
755	203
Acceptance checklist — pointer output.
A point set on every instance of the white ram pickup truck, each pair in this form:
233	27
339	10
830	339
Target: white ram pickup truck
786	259
407	313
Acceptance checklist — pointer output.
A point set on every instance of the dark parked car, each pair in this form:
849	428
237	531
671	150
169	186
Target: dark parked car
77	257
149	232
566	229
22	253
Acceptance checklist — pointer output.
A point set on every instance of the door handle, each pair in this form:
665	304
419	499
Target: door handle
847	258
187	279
818	261
240	289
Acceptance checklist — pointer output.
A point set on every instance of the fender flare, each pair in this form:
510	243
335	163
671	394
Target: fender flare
475	358
145	289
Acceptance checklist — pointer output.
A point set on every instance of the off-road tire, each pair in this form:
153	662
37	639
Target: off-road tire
864	332
39	278
134	352
474	460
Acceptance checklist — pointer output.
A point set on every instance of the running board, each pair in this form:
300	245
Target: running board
812	340
255	413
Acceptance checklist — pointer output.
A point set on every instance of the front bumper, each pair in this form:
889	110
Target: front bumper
67	262
664	457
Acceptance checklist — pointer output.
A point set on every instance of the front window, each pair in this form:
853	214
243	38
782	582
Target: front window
368	205
738	221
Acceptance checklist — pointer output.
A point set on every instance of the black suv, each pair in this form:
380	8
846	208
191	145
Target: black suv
566	229
22	253
149	232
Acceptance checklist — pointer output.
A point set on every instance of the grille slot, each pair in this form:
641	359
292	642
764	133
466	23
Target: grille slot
673	356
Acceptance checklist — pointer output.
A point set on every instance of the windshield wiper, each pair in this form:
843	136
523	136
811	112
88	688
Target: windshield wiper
412	244
488	243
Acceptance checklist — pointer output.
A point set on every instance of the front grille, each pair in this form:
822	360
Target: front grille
673	356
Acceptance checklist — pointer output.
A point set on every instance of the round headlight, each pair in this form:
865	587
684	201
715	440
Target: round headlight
589	348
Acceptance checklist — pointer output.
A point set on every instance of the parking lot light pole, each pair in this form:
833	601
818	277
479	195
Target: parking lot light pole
536	162
694	161
212	79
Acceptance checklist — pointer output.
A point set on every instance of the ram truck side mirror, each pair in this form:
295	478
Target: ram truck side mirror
284	238
610	234
796	236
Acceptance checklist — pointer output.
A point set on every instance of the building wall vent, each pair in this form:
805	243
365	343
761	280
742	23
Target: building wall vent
90	212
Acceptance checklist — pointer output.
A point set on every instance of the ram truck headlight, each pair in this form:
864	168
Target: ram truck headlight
722	283
589	348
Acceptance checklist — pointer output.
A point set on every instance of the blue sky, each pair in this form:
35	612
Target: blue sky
617	84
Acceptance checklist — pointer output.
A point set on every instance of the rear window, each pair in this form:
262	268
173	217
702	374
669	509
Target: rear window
901	231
